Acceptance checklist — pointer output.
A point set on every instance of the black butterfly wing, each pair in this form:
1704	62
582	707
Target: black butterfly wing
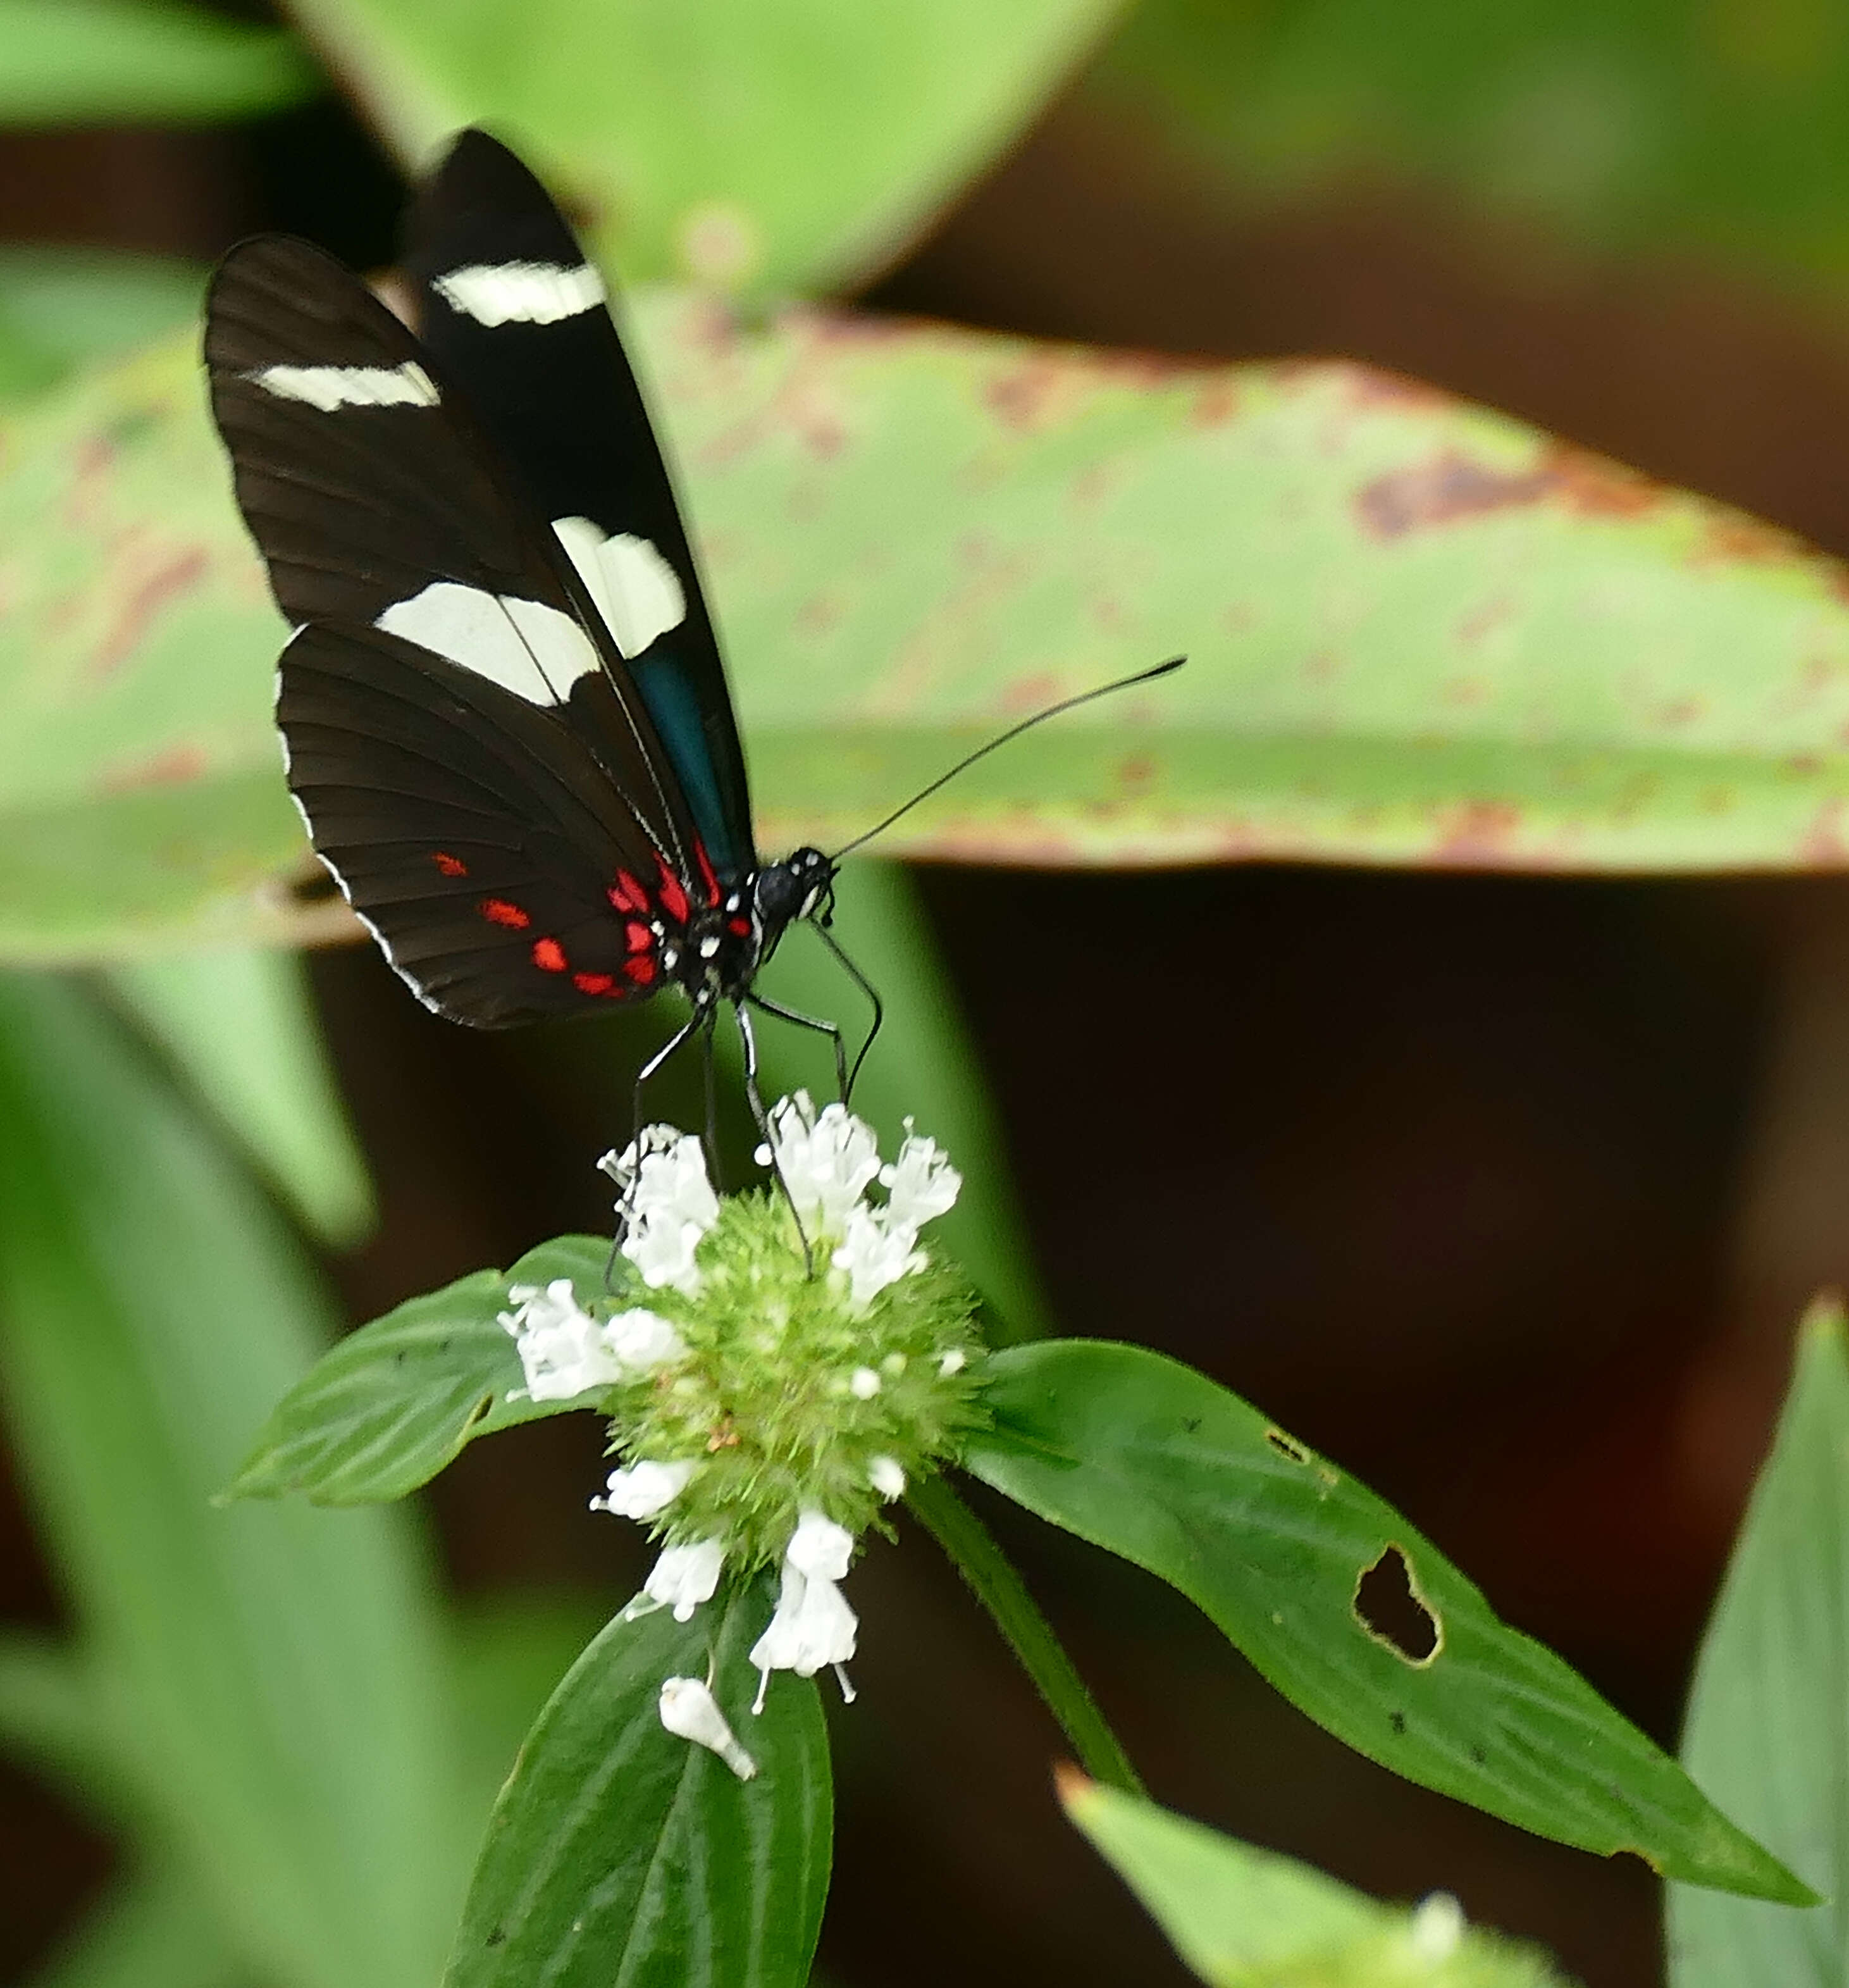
518	317
374	499
484	847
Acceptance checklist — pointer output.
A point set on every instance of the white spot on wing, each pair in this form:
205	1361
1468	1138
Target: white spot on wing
637	592
524	646
495	293
328	387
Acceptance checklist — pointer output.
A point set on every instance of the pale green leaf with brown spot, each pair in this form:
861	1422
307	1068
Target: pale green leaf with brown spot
1420	633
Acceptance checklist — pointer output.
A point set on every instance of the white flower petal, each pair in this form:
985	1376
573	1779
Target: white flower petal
953	1362
877	1252
689	1711
864	1384
640	1341
886	1475
683	1576
820	1548
560	1345
640	1490
665	1204
922	1184
827	1160
812	1626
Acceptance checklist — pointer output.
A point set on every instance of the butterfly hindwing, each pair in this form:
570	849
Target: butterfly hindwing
518	317
471	831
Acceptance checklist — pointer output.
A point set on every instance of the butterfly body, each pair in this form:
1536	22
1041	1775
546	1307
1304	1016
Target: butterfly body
504	716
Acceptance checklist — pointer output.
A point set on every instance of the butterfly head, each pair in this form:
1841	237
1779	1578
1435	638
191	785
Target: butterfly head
802	886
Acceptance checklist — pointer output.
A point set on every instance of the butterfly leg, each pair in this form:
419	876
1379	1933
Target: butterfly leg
866	987
712	1097
748	1036
830	1029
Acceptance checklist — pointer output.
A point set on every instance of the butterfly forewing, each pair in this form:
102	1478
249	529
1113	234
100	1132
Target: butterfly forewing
481	841
517	316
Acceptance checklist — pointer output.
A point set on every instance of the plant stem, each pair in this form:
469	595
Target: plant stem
992	1579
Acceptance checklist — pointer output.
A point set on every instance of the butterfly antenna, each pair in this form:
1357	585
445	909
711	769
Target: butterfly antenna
1001	738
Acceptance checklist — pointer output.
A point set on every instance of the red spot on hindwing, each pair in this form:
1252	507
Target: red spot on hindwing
741	926
705	863
641	967
593	983
498	911
626	892
674	896
638	935
450	866
549	955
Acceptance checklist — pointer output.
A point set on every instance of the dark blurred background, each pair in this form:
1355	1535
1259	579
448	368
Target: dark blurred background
1504	1192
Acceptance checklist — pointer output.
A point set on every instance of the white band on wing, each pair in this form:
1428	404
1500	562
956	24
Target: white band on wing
495	293
328	387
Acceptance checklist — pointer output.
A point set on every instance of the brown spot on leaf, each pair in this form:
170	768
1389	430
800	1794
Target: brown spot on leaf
144	602
1734	539
1822	846
1215	405
171	766
1136	771
1451	486
1477	833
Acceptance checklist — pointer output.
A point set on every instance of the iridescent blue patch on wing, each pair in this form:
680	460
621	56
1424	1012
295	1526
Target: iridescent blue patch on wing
674	704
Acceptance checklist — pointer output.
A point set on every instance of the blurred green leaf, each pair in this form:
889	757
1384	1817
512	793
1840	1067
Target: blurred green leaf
1360	1622
241	1026
1766	1718
507	1653
53	1717
618	1852
924	1065
790	144
1246	1918
272	1666
62	309
384	1410
152	1929
1718	127
1420	633
97	61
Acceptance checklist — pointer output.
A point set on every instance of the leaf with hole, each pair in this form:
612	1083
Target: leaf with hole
618	1852
387	1409
1353	1616
1766	1717
1246	1918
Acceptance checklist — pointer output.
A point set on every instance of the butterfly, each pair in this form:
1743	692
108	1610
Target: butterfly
504	715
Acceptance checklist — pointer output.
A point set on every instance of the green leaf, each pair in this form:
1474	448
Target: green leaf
153	1928
241	1026
1623	125
618	1852
791	143
923	1066
272	1666
387	1409
1246	1918
1419	634
53	1716
61	309
92	62
1765	1732
1353	1615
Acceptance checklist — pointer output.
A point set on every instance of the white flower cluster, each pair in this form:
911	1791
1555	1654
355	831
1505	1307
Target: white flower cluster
828	1159
566	1352
664	1204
